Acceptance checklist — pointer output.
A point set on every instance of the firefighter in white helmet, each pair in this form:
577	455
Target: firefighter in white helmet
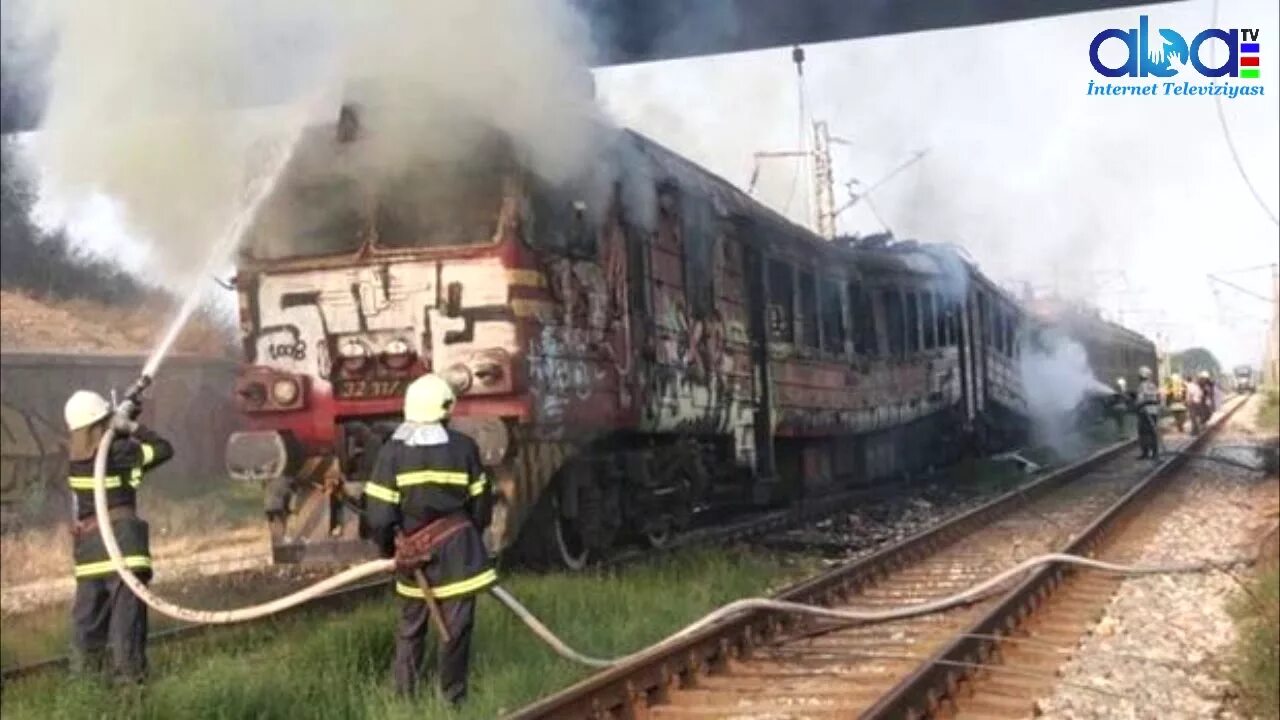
1208	390
1118	405
429	490
105	612
1147	403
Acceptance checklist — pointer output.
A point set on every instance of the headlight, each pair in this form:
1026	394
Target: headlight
254	394
488	372
284	391
458	377
397	354
353	354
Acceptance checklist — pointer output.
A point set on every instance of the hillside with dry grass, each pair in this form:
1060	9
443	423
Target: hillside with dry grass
33	324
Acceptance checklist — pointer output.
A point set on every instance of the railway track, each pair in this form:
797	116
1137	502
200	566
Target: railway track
738	529
765	665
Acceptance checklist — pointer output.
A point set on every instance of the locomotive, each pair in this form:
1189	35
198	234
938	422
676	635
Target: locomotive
627	355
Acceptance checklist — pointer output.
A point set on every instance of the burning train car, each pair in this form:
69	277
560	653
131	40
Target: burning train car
623	364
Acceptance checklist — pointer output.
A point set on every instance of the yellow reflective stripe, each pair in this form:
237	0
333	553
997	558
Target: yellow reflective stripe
382	493
148	453
85	482
477	487
107	567
135	477
433	477
462	587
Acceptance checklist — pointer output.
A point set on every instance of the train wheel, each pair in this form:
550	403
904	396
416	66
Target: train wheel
571	550
659	536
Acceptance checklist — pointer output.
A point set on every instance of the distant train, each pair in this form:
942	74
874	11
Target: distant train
1243	379
622	368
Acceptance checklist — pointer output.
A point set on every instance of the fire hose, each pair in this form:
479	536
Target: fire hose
378	567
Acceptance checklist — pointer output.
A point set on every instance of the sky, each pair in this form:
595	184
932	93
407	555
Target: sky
1129	202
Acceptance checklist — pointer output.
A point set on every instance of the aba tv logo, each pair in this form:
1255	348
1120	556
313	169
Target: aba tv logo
1171	53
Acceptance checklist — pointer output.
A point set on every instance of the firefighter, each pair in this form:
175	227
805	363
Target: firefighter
1195	404
1210	392
1175	400
105	612
428	489
1118	405
1204	390
1147	405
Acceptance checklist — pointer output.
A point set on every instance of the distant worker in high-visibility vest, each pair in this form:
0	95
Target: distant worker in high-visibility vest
105	612
1147	405
428	489
1175	399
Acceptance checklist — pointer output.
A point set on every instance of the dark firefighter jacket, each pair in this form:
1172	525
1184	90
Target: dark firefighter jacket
128	459
412	485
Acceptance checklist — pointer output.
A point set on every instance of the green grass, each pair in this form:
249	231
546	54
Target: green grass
1257	654
1268	418
319	665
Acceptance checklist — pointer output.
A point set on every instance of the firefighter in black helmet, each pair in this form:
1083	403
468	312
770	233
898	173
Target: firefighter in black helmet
428	482
105	611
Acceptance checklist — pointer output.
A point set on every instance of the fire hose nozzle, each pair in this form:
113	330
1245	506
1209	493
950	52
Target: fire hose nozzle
135	391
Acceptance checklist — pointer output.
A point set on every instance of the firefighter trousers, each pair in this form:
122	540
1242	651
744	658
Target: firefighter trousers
107	615
1148	435
455	655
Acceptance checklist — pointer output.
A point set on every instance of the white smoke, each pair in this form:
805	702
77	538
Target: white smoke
147	97
1056	380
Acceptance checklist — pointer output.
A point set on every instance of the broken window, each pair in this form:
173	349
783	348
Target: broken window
781	311
808	310
832	317
984	312
863	320
940	320
957	322
913	323
562	220
895	325
698	232
930	327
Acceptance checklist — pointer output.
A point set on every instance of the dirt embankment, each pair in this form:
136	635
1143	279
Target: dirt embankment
33	324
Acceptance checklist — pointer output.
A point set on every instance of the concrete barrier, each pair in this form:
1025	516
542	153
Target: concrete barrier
190	404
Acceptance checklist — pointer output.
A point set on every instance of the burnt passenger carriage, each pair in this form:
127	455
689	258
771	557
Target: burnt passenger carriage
625	354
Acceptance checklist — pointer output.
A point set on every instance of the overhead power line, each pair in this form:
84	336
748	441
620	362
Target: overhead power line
1226	134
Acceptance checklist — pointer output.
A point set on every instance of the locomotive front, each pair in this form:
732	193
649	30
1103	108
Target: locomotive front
346	293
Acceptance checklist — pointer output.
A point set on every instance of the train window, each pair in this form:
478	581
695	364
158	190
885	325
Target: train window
832	317
957	322
913	322
862	319
939	319
985	314
808	310
457	203
698	231
894	321
781	310
930	325
997	329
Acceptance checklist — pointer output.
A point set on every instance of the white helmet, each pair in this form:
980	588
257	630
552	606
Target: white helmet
85	408
1121	382
428	399
1144	372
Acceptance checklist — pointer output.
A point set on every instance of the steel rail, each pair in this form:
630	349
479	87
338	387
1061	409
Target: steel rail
739	528
937	683
626	690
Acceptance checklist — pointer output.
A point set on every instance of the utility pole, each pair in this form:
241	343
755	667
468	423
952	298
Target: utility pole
824	183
